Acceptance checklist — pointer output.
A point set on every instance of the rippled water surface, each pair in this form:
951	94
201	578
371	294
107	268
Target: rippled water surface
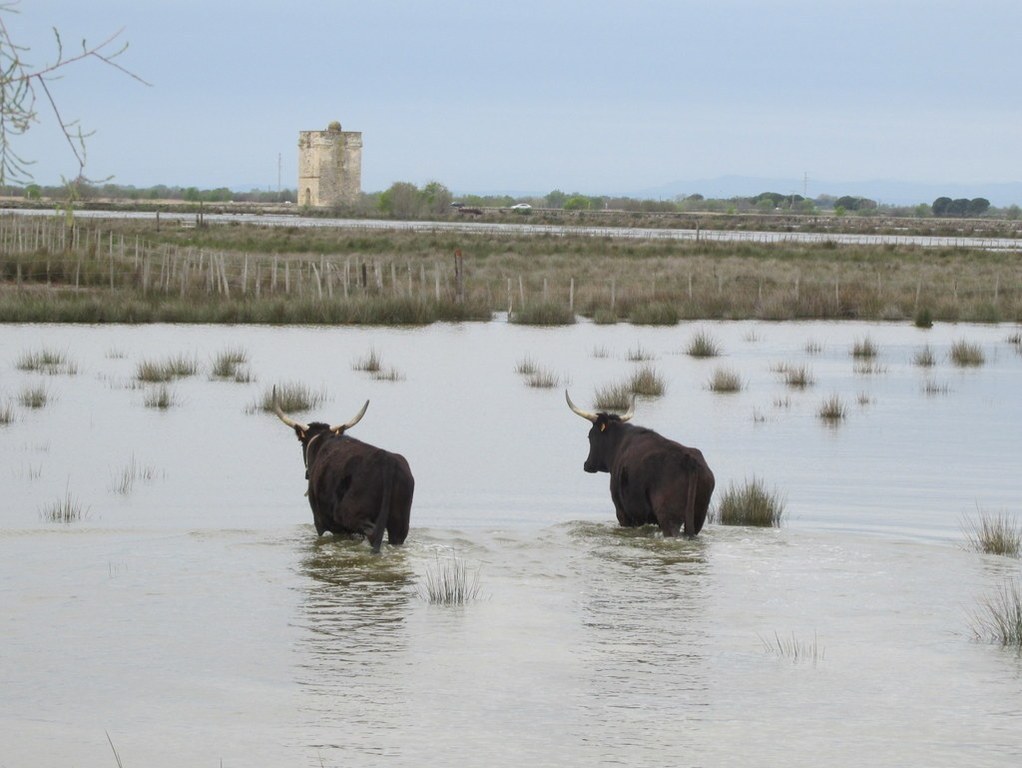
196	618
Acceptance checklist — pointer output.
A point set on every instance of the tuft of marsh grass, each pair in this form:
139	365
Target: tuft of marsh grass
124	482
924	318
832	409
813	347
793	649
647	382
33	397
526	366
966	354
543	314
999	620
993	533
66	510
449	582
640	355
601	352
161	371
924	357
703	345
725	381
46	361
227	364
613	397
6	413
749	504
160	397
1015	338
371	362
605	316
543	379
865	349
798	376
293	397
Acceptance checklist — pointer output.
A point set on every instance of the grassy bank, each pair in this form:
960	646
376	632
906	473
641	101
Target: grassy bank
131	271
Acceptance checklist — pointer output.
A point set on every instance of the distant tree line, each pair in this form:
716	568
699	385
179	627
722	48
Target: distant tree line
960	208
406	200
82	189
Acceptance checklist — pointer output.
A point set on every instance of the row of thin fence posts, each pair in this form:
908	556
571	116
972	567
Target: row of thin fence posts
166	268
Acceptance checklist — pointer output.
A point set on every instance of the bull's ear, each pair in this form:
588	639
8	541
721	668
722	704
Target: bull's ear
603	426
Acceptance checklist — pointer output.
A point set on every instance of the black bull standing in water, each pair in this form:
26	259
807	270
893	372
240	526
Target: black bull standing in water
354	487
653	480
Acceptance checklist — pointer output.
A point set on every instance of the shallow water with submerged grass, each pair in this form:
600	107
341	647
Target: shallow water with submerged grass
197	618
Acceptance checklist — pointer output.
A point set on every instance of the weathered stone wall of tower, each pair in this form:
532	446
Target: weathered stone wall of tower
329	166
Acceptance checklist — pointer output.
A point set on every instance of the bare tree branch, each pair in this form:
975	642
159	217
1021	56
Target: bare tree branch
19	84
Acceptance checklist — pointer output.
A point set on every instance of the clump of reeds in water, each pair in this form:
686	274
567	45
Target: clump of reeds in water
449	582
640	355
798	376
372	363
994	533
924	357
999	619
1015	338
6	413
227	364
157	371
160	397
864	349
536	375
966	354
546	313
65	510
813	347
46	361
292	396
34	396
725	381
134	472
749	504
647	382
703	345
794	650
832	410
613	397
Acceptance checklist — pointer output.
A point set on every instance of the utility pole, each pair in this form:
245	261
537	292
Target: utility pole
278	175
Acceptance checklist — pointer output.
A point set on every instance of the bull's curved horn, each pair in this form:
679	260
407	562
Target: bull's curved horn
584	414
284	417
353	422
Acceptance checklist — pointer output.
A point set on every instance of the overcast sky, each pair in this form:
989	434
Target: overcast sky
591	96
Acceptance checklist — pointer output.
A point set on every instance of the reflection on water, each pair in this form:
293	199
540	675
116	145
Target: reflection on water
642	606
353	616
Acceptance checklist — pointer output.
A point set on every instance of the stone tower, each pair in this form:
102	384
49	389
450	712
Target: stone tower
329	166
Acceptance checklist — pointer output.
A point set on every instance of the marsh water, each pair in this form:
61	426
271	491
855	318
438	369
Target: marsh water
191	616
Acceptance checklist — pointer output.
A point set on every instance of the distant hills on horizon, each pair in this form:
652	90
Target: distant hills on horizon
884	191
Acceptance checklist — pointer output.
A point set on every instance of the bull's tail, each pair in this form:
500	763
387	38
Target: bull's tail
376	538
690	504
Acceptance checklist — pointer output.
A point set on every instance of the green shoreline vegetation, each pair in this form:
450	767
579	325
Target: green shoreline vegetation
137	271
